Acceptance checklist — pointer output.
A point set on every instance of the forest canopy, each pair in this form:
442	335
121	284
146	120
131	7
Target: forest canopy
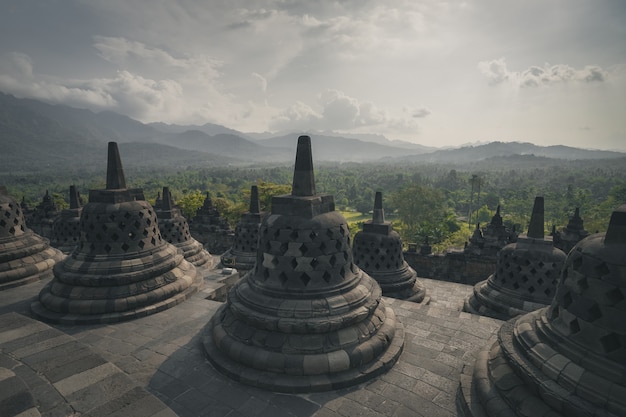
440	201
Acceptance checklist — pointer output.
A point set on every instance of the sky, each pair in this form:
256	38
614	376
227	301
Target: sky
430	72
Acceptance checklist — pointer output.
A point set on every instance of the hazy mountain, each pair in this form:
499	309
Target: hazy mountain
341	149
208	128
501	149
363	137
36	136
228	145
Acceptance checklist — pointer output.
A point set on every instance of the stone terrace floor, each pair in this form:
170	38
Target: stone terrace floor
162	355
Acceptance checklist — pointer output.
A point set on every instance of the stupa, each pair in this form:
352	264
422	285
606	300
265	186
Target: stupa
571	234
210	228
66	227
526	274
43	215
306	318
242	255
568	359
377	250
122	268
488	241
175	230
24	256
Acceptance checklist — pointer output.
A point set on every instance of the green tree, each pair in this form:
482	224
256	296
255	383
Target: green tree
421	209
190	203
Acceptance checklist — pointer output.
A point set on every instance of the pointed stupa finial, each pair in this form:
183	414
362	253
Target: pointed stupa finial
477	227
74	198
303	177
577	213
115	172
255	206
616	233
535	228
379	214
167	202
498	210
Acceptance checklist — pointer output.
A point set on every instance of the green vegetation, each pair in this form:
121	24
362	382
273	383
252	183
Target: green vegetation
434	200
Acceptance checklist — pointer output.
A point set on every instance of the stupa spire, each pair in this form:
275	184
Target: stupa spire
303	176
616	233
255	206
115	171
74	199
535	228
167	199
379	214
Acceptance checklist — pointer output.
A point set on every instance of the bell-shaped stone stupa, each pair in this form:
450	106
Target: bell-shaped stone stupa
571	234
568	359
122	268
66	227
175	230
24	256
378	251
242	255
42	217
526	274
306	318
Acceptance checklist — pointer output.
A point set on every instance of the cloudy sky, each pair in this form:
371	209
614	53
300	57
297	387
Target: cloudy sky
431	72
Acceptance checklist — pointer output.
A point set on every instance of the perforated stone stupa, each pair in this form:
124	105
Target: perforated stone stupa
175	230
24	256
43	215
377	250
571	234
486	242
242	255
306	318
122	268
568	359
210	228
66	227
526	274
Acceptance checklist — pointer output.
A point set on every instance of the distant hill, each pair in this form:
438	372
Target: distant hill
36	136
501	149
226	144
339	149
207	128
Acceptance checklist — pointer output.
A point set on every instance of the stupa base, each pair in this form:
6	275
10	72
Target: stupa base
54	309
310	364
488	301
32	267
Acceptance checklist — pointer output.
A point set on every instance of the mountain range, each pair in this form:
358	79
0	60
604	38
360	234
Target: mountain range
36	136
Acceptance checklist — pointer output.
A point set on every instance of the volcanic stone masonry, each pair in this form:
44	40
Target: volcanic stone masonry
526	274
122	268
571	234
43	215
568	359
210	228
175	230
24	256
377	250
66	227
306	318
242	255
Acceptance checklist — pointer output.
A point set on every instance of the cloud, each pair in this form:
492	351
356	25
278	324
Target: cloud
126	93
419	113
262	81
153	61
342	112
497	72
